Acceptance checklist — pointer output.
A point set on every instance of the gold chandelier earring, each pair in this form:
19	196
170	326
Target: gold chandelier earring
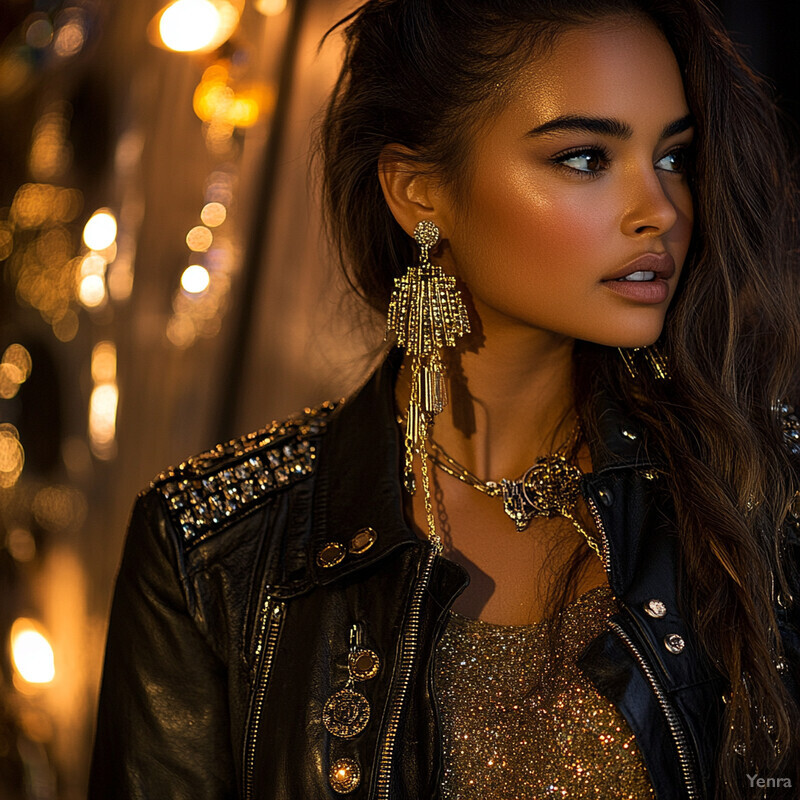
426	314
652	356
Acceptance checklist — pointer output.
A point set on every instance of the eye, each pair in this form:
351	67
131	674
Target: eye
675	161
588	161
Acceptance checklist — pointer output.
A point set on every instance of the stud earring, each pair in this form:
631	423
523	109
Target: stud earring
426	313
653	357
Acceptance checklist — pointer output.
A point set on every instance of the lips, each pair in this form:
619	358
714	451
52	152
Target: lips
662	264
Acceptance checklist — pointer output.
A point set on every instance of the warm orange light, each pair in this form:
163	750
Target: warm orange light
92	291
270	8
213	214
104	362
199	239
31	652
195	26
195	279
101	230
216	101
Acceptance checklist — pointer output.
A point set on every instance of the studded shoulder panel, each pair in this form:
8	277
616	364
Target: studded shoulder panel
208	491
791	426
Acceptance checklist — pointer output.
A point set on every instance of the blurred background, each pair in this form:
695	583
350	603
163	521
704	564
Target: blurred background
164	284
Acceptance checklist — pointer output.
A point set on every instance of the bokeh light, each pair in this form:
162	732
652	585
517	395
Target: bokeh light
31	652
213	214
104	362
193	26
21	544
195	279
270	8
101	230
103	420
70	35
17	355
39	33
199	239
92	291
12	456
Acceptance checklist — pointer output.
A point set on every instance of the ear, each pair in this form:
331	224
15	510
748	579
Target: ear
412	191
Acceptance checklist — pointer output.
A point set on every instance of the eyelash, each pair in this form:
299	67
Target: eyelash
601	153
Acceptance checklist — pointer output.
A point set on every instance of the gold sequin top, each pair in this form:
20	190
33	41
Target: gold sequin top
504	740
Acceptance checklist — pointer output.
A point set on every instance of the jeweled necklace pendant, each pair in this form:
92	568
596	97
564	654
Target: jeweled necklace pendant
515	504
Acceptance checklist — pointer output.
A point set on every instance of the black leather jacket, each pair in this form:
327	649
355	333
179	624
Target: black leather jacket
246	568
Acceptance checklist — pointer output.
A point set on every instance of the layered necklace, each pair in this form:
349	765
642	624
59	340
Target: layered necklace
550	487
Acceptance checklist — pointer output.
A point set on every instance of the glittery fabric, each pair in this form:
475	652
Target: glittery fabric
503	741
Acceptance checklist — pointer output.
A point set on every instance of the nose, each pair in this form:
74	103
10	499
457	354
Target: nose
649	210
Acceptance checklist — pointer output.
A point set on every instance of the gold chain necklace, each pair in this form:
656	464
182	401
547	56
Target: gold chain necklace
549	488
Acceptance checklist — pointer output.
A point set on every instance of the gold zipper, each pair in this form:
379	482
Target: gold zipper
672	719
678	735
407	655
605	555
269	630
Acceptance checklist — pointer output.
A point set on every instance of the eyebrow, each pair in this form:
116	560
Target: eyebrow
607	126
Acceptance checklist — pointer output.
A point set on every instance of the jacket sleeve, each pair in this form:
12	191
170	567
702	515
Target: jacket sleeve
163	727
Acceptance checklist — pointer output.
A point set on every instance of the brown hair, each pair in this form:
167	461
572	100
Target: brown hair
420	74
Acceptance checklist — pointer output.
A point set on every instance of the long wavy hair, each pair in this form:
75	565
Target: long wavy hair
419	73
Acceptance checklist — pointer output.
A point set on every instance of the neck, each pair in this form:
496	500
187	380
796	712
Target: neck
510	401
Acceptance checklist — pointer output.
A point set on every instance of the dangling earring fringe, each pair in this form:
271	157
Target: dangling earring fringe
426	313
657	362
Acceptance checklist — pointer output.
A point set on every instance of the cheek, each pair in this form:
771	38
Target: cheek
523	233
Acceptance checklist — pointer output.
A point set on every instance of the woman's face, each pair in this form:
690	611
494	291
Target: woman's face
580	180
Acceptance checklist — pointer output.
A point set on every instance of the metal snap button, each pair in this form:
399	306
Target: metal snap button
330	554
655	608
606	498
674	643
362	541
344	775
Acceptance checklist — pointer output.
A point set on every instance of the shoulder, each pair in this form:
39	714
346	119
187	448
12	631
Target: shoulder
212	490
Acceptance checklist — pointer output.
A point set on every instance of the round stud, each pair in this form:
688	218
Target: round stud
362	541
344	775
426	234
330	554
674	643
655	608
363	664
346	714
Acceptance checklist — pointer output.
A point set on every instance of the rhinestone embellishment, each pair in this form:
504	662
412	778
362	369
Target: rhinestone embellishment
346	713
203	493
344	775
655	608
674	643
790	424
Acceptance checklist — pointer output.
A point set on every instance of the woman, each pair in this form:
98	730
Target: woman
581	581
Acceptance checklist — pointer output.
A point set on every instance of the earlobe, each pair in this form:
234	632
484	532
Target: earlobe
411	191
